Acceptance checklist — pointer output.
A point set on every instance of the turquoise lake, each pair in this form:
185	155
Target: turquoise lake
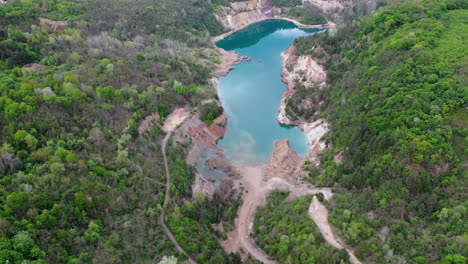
251	93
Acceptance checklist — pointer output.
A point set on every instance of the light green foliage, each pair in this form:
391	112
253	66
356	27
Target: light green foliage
17	200
122	159
57	168
168	260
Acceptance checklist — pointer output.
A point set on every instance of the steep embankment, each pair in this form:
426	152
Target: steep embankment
298	70
242	14
306	72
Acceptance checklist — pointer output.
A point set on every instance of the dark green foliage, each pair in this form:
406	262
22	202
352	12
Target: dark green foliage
295	109
285	232
209	112
287	3
16	54
397	104
309	14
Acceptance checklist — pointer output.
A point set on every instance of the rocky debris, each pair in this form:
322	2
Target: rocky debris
32	66
283	163
222	165
202	136
55	24
314	133
147	124
227	190
176	118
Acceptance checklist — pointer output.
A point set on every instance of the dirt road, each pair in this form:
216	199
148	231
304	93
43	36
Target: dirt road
169	126
253	197
319	213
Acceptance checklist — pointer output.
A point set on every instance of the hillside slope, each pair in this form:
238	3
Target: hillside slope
84	89
396	98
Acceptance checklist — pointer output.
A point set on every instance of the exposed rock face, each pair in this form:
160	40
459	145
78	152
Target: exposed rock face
314	133
302	68
53	23
298	69
205	187
283	163
331	9
32	66
221	164
242	14
228	60
199	136
227	190
147	124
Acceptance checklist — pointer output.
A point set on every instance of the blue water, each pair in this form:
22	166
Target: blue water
251	93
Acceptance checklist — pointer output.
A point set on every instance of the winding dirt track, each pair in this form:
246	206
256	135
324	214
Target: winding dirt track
167	198
254	197
319	213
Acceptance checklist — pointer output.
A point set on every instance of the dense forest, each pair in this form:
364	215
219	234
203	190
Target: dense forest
397	102
81	183
78	182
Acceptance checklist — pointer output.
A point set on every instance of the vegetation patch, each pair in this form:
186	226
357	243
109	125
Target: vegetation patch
285	232
209	112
